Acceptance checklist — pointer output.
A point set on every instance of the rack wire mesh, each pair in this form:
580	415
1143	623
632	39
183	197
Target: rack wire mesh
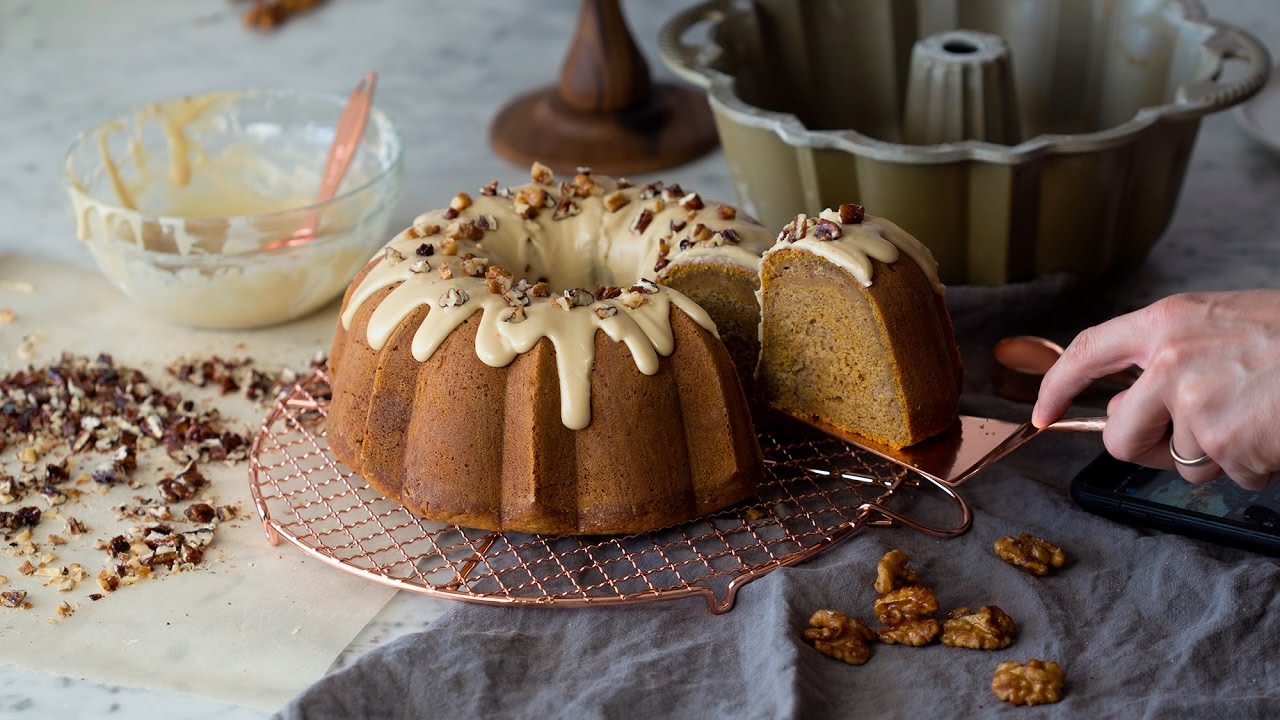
817	491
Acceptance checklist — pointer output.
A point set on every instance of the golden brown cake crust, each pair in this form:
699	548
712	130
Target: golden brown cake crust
458	441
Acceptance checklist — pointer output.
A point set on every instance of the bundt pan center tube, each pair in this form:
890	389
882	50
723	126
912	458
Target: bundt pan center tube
811	103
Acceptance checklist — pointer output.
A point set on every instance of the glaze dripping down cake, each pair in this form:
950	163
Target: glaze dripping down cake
855	333
545	358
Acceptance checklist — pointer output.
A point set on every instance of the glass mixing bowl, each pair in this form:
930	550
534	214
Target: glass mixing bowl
185	204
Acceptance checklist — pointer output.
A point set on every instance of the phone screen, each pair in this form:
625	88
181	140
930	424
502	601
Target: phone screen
1219	498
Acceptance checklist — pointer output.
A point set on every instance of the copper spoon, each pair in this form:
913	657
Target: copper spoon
346	140
1022	361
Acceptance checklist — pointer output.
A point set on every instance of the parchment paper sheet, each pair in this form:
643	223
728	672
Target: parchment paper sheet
255	626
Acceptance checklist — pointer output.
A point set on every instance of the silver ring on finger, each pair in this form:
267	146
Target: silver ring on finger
1184	462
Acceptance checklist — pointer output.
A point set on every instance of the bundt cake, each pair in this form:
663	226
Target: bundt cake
854	329
544	358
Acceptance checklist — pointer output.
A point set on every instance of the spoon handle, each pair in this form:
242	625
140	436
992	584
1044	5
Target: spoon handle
346	139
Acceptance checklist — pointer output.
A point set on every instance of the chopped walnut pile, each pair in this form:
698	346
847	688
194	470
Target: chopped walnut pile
836	635
990	628
1035	683
905	606
1033	554
54	420
235	374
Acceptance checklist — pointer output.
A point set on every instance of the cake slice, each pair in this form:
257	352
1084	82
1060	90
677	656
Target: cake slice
854	329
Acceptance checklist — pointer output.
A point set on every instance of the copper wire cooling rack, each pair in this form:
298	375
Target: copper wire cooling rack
816	492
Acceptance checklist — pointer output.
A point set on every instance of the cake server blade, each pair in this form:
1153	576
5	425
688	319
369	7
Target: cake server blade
970	445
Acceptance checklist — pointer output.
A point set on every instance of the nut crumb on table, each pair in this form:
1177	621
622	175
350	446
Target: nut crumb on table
73	431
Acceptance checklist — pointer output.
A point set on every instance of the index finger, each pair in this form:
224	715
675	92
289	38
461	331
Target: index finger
1096	352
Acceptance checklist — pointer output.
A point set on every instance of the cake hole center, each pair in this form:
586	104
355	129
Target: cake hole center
960	47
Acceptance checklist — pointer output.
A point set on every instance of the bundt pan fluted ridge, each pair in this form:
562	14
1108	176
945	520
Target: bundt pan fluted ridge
809	98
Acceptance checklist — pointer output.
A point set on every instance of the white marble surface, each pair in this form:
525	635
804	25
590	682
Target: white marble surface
444	68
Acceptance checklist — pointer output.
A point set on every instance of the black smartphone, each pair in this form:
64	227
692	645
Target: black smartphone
1219	511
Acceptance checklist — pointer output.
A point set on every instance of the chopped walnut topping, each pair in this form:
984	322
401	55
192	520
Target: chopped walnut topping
673	193
892	572
463	231
424	228
664	250
15	599
26	568
692	202
517	315
28	516
796	230
700	233
575	297
1030	553
425	250
420	266
444	271
529	201
473	266
827	231
641	221
990	628
648	287
497	280
392	255
906	603
648	191
677	225
615	201
449	246
623	183
75	527
1036	683
65	609
608	292
566	208
727	212
852	213
583	184
540	289
489	189
516	297
56	539
542	174
834	634
454	297
606	312
730	236
460	202
486	223
411	233
916	633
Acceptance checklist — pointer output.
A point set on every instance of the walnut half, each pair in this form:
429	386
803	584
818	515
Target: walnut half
1035	683
912	602
915	633
892	572
990	628
834	634
1033	554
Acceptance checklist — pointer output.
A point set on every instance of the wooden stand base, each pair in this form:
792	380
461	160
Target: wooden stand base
674	127
605	112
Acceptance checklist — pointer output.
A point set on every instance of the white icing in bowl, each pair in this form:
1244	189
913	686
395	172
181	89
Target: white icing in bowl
179	201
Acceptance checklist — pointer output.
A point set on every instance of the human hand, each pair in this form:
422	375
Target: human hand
1211	367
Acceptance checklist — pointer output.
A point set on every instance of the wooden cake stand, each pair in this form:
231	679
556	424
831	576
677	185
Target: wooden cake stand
605	112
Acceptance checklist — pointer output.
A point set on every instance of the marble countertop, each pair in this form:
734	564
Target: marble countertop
444	70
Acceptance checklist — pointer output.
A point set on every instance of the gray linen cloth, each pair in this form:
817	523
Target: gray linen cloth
1146	625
